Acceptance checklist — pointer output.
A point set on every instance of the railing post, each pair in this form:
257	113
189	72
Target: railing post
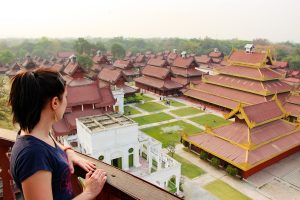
8	192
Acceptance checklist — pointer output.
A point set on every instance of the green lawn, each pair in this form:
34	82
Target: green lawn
151	106
224	191
188	169
186	111
170	132
174	103
130	111
144	97
148	119
210	120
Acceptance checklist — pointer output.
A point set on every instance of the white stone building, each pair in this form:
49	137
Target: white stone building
116	140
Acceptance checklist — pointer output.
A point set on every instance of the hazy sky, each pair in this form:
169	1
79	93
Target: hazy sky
276	20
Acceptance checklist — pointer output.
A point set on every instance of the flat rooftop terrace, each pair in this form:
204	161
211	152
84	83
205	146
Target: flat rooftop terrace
105	121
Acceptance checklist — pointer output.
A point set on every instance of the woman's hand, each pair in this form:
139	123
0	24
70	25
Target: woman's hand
94	182
74	159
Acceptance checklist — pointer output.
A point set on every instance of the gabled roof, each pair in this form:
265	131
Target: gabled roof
122	64
260	113
157	62
157	72
110	75
58	67
184	62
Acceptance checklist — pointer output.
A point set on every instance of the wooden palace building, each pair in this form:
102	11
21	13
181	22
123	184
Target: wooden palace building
247	79
258	138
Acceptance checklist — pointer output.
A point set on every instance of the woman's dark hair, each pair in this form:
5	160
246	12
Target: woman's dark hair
30	92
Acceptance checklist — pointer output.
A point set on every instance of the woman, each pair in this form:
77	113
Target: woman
40	166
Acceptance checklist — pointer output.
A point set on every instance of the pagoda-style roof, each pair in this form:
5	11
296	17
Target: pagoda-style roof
260	135
157	72
158	62
261	74
184	62
250	59
158	83
225	97
186	80
257	87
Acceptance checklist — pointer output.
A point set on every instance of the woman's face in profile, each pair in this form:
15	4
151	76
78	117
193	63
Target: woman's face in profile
63	105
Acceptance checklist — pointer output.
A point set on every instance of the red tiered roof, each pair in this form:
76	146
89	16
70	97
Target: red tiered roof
257	87
249	72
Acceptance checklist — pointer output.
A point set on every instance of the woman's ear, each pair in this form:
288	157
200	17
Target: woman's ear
54	103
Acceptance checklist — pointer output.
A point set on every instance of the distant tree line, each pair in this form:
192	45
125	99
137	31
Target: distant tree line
14	49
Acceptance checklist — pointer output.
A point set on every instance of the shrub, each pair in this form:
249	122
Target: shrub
232	171
215	162
203	155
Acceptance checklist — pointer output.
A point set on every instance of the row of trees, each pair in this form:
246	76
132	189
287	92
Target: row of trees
11	49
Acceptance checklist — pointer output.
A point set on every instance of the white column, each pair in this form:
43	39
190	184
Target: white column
136	157
177	182
125	161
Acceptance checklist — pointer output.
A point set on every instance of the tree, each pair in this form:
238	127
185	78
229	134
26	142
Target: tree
117	51
85	61
7	57
5	117
100	46
82	46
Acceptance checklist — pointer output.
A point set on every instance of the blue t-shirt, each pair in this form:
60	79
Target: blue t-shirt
30	155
